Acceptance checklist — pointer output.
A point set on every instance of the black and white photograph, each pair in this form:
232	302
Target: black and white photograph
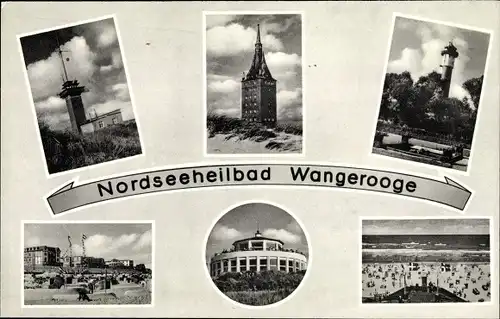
81	95
426	260
89	263
254	91
257	254
431	93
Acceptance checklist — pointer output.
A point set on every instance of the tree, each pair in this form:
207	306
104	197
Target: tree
141	268
474	87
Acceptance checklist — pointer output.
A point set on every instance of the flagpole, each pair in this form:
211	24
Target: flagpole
62	59
105	279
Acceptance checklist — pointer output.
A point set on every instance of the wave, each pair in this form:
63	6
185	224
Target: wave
427	251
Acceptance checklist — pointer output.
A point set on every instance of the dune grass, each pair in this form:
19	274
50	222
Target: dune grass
259	298
65	150
277	138
221	124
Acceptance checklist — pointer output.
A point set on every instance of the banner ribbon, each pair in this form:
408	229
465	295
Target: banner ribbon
447	193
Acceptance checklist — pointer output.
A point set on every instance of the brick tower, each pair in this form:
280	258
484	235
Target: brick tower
449	54
258	90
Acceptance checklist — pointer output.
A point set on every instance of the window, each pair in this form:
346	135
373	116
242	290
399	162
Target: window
101	124
115	120
243	265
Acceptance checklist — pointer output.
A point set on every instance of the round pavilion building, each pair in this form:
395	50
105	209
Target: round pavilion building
257	253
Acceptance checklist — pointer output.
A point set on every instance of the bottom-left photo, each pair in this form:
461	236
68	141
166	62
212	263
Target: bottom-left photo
88	263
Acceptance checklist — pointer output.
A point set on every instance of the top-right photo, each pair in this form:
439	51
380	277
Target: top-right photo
431	92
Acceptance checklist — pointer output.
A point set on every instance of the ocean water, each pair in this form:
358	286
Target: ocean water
427	242
425	248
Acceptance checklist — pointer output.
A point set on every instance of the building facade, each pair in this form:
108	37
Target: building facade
83	261
42	256
101	121
128	263
257	253
258	90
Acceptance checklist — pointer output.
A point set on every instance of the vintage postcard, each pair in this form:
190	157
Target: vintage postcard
426	260
431	92
81	95
257	254
88	263
254	91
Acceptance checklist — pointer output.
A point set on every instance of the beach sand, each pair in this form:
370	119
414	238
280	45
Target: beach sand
462	279
219	144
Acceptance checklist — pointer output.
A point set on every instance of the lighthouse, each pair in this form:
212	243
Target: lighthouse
258	90
449	54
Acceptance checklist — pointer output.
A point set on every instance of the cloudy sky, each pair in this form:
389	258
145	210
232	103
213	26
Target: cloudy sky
426	227
119	240
416	48
95	60
230	44
242	221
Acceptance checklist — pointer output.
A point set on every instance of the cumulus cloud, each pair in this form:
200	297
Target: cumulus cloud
106	68
235	38
121	91
107	36
224	233
144	241
116	58
427	58
283	235
294	227
225	86
290	104
283	65
45	76
280	27
99	245
52	103
218	20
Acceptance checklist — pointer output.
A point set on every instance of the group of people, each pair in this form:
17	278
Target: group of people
468	281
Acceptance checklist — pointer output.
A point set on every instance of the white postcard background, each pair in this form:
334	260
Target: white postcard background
345	53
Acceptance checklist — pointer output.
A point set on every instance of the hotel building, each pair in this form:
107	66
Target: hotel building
257	253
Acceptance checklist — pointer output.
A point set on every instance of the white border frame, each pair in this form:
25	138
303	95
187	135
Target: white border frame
448	305
227	211
83	306
204	86
32	102
481	98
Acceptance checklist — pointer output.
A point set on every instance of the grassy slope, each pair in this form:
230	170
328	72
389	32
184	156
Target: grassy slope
282	138
65	150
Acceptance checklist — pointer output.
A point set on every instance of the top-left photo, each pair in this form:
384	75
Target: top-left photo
81	95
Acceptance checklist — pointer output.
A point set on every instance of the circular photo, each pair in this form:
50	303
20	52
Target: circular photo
257	254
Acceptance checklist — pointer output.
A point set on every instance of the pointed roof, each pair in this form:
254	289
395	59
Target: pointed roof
258	69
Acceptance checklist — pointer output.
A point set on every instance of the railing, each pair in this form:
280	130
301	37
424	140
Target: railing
225	251
421	134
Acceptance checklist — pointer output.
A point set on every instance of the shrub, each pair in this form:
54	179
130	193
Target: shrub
65	150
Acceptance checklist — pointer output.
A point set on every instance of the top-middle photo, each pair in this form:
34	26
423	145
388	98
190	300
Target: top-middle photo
253	83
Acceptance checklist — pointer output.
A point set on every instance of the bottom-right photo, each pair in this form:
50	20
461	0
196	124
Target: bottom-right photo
426	260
